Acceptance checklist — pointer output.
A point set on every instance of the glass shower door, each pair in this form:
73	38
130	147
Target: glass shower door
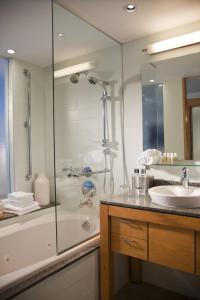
87	94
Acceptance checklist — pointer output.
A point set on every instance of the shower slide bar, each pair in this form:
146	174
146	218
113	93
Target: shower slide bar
27	123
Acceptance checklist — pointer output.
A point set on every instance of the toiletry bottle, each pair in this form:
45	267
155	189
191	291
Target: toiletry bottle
41	189
164	158
135	180
143	182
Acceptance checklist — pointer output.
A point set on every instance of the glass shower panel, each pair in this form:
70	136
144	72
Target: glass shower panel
87	99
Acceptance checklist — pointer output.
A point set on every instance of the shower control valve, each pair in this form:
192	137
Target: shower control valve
106	98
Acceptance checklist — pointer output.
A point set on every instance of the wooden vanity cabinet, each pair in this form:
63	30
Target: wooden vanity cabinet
172	247
198	252
166	239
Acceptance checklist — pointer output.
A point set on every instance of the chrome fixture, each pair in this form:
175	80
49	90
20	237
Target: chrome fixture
77	172
87	202
86	225
185	178
74	78
71	172
106	140
104	98
130	8
27	123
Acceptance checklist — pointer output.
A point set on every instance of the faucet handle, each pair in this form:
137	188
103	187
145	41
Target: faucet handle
185	171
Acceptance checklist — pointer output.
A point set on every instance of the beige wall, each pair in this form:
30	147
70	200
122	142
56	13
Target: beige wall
19	105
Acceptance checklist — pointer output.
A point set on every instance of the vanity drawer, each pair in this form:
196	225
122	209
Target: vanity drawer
172	247
129	245
131	228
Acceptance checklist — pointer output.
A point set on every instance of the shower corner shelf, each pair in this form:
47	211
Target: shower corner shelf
7	215
177	163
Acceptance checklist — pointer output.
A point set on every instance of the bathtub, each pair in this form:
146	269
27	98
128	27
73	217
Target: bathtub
29	246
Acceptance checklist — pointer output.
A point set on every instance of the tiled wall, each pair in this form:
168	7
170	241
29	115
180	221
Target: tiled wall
78	121
19	102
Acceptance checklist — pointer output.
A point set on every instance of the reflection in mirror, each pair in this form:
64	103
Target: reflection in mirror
87	90
170	101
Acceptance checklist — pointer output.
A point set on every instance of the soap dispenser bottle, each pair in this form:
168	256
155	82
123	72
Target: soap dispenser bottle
41	190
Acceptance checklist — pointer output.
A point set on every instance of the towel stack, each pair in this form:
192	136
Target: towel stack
20	203
149	157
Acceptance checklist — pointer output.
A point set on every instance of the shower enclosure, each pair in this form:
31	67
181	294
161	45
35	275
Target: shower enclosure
62	120
87	98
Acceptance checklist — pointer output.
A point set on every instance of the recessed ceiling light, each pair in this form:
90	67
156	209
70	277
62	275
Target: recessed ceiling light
160	85
60	35
130	7
151	80
11	51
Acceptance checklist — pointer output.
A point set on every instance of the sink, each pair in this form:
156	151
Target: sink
175	196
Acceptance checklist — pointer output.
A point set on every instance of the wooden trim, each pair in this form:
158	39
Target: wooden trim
186	123
106	256
193	102
155	217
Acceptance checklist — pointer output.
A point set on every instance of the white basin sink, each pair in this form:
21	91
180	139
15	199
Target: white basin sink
175	196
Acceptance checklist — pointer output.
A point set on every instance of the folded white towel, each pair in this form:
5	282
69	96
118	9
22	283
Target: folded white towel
20	196
20	203
19	210
149	157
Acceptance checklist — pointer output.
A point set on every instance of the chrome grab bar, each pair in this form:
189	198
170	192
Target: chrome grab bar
27	123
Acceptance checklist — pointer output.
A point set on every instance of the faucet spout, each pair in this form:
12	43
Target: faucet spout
185	178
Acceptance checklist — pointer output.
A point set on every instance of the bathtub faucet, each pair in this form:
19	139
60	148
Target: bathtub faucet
87	202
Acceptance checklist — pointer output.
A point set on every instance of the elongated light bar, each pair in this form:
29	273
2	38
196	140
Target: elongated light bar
74	69
176	42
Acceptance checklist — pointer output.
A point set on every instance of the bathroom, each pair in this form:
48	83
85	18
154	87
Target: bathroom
77	83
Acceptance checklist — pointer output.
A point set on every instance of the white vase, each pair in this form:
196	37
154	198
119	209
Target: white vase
41	189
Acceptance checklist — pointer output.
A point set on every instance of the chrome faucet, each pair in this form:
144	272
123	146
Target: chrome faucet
185	178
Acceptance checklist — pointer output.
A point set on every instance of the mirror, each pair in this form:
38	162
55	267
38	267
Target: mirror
26	99
170	103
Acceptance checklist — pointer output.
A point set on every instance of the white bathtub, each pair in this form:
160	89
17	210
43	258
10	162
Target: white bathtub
30	245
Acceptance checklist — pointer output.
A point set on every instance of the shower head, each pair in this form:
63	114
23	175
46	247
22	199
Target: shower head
94	81
74	78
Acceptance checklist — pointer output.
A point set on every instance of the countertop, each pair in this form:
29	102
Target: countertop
145	203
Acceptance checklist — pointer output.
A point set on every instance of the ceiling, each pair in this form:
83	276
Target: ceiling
79	38
150	16
25	26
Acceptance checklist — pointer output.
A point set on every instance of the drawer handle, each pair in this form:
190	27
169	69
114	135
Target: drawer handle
131	243
131	224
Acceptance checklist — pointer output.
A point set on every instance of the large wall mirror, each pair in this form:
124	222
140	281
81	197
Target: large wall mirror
171	106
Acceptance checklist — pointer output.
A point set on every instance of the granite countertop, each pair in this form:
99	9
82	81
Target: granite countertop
145	203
